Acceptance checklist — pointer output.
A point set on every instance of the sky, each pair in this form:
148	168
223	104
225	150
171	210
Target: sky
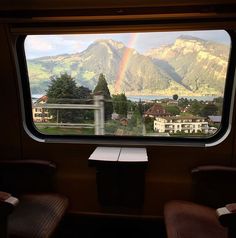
49	45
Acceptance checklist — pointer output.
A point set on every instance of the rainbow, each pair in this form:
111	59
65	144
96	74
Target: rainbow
124	62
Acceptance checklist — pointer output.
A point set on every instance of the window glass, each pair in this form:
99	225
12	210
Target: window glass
128	84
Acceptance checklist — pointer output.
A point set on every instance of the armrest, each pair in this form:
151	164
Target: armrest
212	185
48	166
207	170
7	203
227	218
20	176
227	215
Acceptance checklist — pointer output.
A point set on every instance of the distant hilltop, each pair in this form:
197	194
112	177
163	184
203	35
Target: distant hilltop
190	67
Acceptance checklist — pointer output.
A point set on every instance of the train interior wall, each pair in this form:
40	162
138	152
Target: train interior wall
167	175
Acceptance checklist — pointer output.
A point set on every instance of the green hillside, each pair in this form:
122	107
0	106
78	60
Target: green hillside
190	66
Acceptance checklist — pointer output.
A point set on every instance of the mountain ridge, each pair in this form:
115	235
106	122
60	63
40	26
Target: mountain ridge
158	71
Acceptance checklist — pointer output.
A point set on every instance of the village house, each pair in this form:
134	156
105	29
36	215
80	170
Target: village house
124	121
39	113
215	120
115	116
181	124
156	111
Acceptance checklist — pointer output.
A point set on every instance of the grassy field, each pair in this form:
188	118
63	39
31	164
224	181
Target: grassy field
65	131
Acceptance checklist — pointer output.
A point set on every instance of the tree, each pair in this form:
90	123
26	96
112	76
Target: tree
140	107
103	89
63	89
195	107
173	110
219	103
149	124
175	97
183	102
218	100
209	110
84	94
120	104
131	105
136	120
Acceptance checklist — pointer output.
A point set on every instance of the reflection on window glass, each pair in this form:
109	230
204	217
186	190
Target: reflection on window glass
128	84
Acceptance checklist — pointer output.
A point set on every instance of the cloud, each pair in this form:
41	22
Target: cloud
39	44
49	45
36	46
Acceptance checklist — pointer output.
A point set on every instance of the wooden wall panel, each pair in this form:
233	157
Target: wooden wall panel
168	174
9	119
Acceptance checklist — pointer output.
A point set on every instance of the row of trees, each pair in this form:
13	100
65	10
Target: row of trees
201	108
63	89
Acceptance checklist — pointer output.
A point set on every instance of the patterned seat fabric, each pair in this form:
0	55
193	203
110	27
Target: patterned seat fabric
37	215
190	220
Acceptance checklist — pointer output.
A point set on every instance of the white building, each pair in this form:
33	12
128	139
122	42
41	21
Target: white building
180	124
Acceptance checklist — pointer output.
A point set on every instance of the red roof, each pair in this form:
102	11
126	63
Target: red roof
42	99
156	110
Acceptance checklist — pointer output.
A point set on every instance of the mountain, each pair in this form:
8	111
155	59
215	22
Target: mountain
197	64
103	56
187	66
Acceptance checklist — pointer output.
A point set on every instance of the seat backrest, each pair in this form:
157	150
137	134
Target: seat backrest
24	176
40	210
213	185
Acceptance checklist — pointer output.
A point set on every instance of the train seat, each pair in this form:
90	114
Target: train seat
189	220
37	215
39	210
186	219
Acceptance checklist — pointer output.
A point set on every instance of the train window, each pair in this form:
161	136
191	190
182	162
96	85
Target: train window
159	85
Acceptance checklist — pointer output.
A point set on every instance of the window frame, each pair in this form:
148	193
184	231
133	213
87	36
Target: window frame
31	130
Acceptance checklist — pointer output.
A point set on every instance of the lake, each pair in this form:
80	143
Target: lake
151	97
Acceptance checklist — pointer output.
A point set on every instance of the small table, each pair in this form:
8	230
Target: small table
120	175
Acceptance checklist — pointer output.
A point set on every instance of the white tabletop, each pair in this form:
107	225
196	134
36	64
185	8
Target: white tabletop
105	154
133	155
119	154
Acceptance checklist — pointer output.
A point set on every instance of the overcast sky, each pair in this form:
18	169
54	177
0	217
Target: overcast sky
50	45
